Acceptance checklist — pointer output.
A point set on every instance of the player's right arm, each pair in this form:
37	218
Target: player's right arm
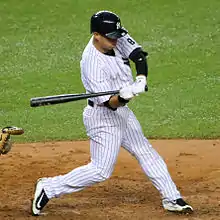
125	94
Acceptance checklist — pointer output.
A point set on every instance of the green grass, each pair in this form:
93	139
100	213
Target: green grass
40	50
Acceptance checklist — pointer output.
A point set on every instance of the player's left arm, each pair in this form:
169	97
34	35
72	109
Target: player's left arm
139	57
132	50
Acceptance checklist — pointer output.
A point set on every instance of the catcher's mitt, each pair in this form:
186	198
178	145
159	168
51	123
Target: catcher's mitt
5	142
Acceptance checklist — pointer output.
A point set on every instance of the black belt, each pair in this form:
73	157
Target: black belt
91	103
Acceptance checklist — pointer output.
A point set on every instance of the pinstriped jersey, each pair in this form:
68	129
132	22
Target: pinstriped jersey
101	72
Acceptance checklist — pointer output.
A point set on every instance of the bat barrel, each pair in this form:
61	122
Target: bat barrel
51	100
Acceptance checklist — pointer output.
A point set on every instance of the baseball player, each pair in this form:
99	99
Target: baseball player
108	120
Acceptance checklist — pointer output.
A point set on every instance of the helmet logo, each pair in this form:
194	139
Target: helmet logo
118	25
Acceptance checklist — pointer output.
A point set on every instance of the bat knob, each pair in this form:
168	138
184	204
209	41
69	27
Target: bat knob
146	88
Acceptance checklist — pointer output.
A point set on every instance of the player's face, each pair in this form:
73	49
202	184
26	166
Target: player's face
104	43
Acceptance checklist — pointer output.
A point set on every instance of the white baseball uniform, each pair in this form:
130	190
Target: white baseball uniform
108	130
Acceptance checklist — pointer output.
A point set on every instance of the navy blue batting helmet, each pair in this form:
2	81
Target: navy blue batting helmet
107	24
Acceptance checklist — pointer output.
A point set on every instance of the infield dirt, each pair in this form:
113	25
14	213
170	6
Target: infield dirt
128	194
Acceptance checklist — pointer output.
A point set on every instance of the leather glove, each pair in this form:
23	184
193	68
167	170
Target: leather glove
140	85
5	142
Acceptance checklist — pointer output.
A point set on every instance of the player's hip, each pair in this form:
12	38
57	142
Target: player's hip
101	116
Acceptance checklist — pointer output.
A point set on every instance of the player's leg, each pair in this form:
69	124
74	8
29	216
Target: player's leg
104	153
105	142
151	162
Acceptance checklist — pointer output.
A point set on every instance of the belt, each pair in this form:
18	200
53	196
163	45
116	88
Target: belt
92	104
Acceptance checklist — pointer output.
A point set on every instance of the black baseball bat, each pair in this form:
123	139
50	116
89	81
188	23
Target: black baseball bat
57	99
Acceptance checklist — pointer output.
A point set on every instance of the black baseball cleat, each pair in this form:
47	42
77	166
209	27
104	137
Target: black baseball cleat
40	199
178	205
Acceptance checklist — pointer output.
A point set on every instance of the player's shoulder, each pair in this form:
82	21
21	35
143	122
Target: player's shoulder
88	48
91	55
91	58
125	38
126	45
127	41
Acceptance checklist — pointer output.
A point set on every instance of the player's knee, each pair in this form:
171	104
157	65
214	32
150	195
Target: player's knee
101	175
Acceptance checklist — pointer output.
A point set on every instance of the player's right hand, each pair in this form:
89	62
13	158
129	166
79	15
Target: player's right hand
126	92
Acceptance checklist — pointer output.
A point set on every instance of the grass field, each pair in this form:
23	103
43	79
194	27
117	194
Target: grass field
40	50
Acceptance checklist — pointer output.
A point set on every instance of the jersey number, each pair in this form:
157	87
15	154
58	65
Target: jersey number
130	41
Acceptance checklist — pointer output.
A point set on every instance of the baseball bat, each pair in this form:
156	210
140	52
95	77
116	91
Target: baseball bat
57	99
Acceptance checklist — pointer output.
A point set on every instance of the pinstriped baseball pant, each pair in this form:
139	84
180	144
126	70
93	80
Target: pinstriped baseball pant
108	131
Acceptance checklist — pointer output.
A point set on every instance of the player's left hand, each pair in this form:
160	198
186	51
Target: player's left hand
140	85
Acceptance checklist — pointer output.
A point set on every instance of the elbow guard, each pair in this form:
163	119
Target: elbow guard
139	58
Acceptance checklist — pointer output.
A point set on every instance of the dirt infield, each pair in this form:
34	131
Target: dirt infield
128	194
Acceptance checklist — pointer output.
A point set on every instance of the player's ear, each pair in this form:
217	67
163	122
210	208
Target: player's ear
97	36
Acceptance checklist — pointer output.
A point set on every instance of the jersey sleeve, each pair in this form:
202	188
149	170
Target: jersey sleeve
126	45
